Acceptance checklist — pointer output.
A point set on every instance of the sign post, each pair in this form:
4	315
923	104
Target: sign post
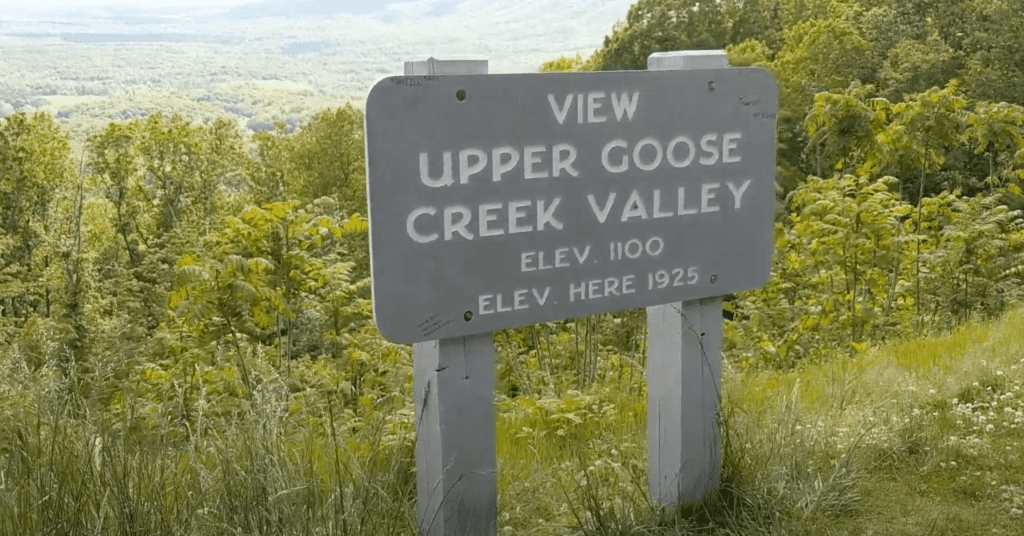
499	201
684	369
453	385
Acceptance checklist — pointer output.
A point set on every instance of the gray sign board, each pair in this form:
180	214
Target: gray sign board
506	200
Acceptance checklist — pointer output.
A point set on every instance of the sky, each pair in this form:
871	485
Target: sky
21	8
56	5
59	5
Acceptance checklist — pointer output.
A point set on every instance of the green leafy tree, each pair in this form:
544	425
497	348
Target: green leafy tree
35	162
843	128
885	26
567	64
837	276
820	55
227	186
169	183
795	11
282	280
134	276
226	298
328	158
270	165
923	132
817	55
913	66
343	299
663	25
749	52
991	41
760	20
180	186
997	132
117	164
316	301
972	259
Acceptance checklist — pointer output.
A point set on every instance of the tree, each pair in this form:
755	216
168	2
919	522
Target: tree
749	52
997	131
817	55
884	27
820	55
837	274
974	258
760	20
270	165
174	170
115	161
913	66
169	183
305	299
328	158
663	25
843	128
924	130
227	297
35	161
227	186
567	64
993	44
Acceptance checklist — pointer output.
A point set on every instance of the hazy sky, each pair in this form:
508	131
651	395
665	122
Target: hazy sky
57	6
71	5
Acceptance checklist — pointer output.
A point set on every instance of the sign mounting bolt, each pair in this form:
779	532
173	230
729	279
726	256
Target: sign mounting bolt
714	277
468	316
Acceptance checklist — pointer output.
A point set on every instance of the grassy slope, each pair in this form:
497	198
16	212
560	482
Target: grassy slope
918	437
937	424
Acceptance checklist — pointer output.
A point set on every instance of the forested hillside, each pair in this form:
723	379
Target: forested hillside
900	160
172	287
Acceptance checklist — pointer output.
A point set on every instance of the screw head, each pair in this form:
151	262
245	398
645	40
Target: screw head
714	277
460	94
468	316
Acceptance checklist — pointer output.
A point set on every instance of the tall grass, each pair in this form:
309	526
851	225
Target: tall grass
917	437
67	469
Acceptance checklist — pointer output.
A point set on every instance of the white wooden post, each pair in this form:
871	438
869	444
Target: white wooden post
453	382
684	369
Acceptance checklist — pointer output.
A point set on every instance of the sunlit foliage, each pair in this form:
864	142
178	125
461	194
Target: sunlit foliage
186	314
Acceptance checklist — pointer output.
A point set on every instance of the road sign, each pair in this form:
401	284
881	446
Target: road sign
506	200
